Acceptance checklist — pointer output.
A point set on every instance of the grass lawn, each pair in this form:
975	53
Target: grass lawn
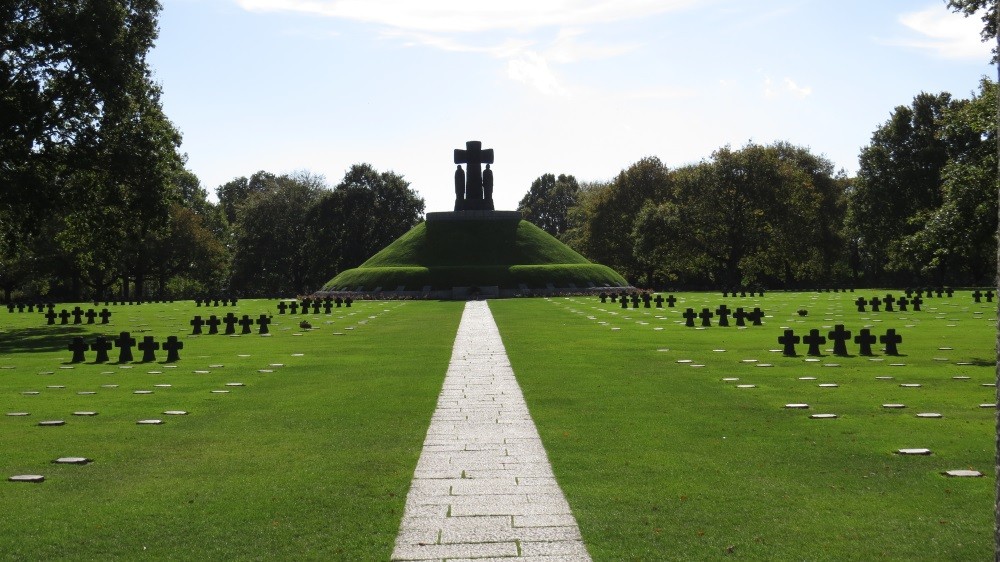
312	460
659	459
664	460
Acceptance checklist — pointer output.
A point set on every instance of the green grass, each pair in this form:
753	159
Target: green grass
311	461
469	253
660	460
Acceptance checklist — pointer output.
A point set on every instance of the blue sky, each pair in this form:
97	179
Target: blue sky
582	87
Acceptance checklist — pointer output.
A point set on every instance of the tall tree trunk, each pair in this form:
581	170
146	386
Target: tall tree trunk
996	504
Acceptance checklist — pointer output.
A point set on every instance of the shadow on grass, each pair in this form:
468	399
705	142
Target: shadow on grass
39	340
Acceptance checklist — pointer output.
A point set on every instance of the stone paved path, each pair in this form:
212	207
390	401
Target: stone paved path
483	487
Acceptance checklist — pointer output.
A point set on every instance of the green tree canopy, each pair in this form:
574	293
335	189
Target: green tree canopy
547	203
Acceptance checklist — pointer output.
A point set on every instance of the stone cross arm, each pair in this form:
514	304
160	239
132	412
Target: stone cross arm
473	155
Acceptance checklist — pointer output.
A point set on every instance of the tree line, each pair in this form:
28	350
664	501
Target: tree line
921	210
97	199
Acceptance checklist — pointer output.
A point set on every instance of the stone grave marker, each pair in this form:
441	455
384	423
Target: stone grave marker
890	340
865	339
77	346
903	302
706	317
740	316
282	307
977	296
839	336
148	346
105	316
230	322
196	324
29	478
756	316
659	301
789	339
213	324
246	323
888	302
101	345
263	322
90	315
172	346
689	316
51	317
293	308
64	317
916	302
723	312
875	302
814	340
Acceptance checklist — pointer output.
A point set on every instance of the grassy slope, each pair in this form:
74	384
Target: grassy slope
663	461
311	461
450	254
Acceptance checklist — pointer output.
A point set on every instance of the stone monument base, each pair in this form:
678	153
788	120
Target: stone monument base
451	216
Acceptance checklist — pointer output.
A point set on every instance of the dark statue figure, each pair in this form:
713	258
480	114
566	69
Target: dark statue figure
474	188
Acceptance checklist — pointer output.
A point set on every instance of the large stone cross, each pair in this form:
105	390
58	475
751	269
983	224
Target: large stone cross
474	157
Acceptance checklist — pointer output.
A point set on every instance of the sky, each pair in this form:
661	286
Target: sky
581	87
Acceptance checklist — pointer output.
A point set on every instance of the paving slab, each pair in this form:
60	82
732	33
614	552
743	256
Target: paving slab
483	487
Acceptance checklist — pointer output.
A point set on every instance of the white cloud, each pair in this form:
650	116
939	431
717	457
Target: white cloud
532	69
945	34
796	90
787	87
465	16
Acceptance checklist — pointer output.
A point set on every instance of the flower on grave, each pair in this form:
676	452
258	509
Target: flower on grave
803	312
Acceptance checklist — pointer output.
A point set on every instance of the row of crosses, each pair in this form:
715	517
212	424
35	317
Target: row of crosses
78	314
125	342
723	312
326	304
474	187
839	336
230	320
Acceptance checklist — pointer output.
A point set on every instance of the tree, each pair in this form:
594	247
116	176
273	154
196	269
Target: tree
233	194
987	10
956	242
899	179
548	201
601	227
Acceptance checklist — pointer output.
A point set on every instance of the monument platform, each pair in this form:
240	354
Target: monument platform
454	216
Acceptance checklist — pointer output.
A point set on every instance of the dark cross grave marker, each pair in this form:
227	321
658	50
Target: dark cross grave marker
10	307
197	302
624	302
196	324
77	347
233	301
659	301
473	187
789	340
225	302
814	340
148	346
213	324
861	303
909	292
743	293
723	312
646	300
215	302
105	315
689	315
706	317
20	307
839	336
91	315
890	340
928	293
671	300
939	291
865	339
230	322
725	293
293	307
949	291
988	295
916	302
875	302
246	323
756	316
887	301
348	301
51	317
64	316
903	302
101	345
282	306
740	316
172	346
305	305
635	300
263	321
317	304
31	307
125	342
339	301
327	306
614	297
977	296
603	297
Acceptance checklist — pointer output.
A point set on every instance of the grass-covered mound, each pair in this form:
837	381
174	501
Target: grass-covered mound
504	253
